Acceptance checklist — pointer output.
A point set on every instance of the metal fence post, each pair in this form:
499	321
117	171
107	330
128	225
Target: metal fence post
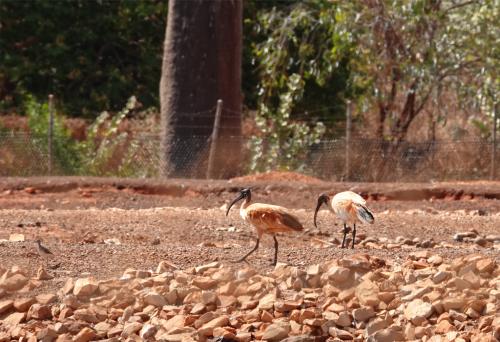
494	143
50	133
213	142
348	141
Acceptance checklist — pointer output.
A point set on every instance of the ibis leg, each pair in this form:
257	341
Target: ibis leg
275	251
253	250
345	235
353	235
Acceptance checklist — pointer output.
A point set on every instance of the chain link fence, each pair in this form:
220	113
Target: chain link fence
23	154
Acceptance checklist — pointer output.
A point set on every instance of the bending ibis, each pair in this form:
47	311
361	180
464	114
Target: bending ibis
349	207
266	219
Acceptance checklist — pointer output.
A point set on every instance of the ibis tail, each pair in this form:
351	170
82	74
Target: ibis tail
363	213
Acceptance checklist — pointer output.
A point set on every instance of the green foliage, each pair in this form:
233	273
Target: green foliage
107	151
65	150
407	53
92	54
390	57
297	72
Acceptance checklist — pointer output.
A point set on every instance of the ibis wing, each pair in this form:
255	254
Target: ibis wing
349	196
363	213
273	218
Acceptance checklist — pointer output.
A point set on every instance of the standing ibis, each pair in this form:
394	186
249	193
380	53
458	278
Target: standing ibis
266	219
349	207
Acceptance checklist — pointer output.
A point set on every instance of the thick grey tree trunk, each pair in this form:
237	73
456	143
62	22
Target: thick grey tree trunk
201	64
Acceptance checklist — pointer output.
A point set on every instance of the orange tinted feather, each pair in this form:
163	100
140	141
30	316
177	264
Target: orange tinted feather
272	219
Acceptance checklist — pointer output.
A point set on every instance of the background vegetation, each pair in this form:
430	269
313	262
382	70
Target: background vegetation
402	64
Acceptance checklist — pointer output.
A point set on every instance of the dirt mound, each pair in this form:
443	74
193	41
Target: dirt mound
278	176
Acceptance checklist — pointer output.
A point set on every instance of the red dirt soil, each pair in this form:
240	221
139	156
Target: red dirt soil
183	221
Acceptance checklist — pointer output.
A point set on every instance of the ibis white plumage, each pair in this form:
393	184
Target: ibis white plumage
266	219
349	207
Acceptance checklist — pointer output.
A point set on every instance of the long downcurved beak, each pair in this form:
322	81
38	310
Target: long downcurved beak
320	202
240	197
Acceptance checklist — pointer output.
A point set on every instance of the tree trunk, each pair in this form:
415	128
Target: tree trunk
201	64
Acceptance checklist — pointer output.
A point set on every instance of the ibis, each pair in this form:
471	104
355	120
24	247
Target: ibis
350	208
266	219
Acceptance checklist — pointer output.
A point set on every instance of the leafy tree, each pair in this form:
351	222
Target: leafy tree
91	54
299	72
394	55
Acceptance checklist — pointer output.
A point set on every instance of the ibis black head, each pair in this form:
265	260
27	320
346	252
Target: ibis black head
323	198
244	193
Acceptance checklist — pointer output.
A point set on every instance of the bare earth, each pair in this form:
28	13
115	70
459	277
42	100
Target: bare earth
184	222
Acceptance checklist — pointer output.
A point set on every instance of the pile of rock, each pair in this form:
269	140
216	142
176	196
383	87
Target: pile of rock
473	238
354	298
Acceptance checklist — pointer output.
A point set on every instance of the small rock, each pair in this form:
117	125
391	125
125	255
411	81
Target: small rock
387	335
313	270
339	333
472	313
375	325
207	328
363	314
46	298
209	297
202	269
435	260
23	304
147	331
198	309
367	293
85	315
455	303
85	335
16	237
14	319
40	312
6	306
85	287
46	335
461	236
276	332
485	265
42	274
204	283
417	311
142	274
440	276
102	327
68	286
174	322
155	299
267	302
444	327
492	238
338	275
165	266
344	319
131	328
14	282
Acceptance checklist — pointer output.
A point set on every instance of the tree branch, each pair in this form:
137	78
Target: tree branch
462	4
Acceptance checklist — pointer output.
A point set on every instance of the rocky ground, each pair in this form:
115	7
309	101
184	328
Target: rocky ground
137	260
359	297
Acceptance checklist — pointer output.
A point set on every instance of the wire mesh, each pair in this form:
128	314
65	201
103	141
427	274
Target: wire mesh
23	154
